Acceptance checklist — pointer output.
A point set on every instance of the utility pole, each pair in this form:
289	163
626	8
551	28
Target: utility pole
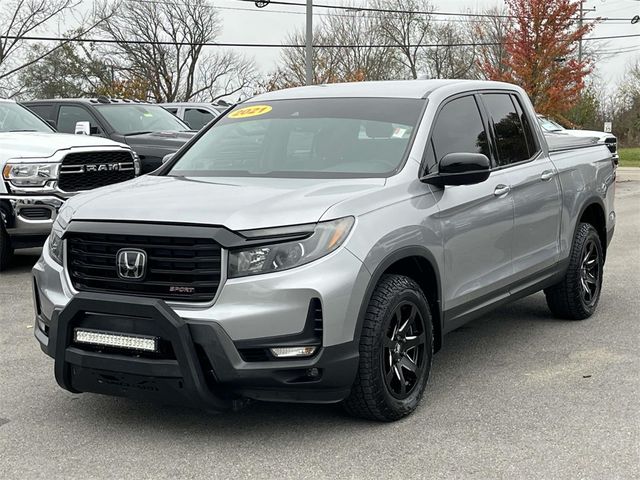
583	11
309	45
580	26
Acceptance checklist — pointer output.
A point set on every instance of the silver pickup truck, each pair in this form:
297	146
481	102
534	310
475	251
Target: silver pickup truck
316	244
41	169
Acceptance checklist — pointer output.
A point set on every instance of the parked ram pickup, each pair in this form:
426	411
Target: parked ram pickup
316	244
42	168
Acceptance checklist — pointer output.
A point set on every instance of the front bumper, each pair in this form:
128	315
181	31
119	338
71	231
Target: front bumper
249	313
202	369
25	228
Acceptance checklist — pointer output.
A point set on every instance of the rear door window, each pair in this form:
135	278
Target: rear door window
197	118
508	128
43	111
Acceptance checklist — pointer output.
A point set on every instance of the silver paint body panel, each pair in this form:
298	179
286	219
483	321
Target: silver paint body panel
481	244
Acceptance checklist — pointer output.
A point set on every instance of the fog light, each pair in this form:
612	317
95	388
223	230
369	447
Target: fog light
289	352
118	340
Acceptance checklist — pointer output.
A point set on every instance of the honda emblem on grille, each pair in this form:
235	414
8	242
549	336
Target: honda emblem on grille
131	263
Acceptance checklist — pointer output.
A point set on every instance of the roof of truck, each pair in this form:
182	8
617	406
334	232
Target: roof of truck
382	89
93	101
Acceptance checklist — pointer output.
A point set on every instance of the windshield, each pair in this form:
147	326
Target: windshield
140	118
316	138
549	125
16	118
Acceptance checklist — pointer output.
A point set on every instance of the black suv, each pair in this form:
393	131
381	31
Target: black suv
149	129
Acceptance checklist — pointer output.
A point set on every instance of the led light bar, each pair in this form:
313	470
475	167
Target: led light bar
290	352
117	340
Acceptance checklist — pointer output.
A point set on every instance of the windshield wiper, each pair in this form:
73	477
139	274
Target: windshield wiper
13	131
137	133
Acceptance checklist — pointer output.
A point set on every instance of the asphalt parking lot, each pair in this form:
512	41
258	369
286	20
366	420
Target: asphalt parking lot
513	395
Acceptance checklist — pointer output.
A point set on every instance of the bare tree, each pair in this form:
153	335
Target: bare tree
446	58
408	31
491	30
164	42
23	18
347	47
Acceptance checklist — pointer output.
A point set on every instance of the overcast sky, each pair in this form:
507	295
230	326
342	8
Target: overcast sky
269	25
244	23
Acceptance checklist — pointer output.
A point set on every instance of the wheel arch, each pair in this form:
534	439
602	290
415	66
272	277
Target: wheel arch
419	264
593	213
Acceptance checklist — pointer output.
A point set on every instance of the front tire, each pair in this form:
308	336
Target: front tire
396	351
6	250
576	296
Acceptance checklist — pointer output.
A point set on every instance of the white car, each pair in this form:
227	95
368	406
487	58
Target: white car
554	128
42	168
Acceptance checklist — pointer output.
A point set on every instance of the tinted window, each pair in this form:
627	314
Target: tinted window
44	111
197	118
69	115
357	137
532	144
132	119
507	125
459	129
172	110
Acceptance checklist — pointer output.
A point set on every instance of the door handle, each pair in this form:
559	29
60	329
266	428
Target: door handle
501	190
547	175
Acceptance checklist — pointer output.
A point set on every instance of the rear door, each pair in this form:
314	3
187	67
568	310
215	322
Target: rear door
476	220
534	184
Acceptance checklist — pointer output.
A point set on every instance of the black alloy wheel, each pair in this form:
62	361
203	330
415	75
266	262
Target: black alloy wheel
590	269
403	355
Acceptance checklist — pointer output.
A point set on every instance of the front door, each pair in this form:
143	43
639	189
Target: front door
476	220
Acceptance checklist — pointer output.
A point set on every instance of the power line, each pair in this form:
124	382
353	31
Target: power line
269	45
399	11
360	10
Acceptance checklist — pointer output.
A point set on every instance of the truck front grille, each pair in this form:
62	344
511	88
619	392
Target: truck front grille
88	170
177	268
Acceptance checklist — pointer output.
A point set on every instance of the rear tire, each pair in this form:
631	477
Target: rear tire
6	250
576	296
396	351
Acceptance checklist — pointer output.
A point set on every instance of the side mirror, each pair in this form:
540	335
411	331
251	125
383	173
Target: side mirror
460	169
52	123
167	157
83	128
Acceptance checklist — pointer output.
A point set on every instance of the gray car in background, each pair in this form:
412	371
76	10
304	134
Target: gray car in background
316	244
148	129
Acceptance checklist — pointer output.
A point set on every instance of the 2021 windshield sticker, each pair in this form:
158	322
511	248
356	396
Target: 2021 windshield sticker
252	111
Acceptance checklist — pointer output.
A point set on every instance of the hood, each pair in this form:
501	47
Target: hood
236	203
164	140
44	145
583	134
590	133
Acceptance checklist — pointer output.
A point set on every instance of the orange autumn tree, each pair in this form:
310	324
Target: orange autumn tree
540	53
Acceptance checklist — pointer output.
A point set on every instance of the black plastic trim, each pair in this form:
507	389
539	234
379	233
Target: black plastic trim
400	254
207	370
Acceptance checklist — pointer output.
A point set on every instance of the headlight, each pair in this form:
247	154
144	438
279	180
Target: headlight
30	174
326	237
55	243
